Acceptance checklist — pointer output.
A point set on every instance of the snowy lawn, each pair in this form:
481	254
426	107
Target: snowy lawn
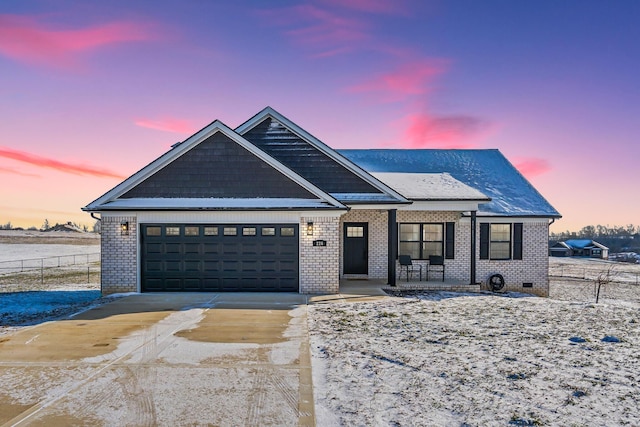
18	309
476	359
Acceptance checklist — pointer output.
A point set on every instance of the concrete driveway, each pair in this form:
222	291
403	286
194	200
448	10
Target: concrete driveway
164	359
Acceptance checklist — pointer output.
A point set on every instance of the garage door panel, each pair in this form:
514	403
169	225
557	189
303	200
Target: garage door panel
211	267
154	284
211	285
173	248
192	266
172	284
213	249
192	248
173	266
153	266
268	266
250	266
218	257
154	248
192	284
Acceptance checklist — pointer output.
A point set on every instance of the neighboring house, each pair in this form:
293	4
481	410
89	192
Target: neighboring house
579	247
269	207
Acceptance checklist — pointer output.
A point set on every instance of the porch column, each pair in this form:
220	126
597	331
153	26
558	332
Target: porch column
392	246
473	248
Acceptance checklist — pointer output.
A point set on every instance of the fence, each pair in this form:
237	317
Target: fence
620	273
619	282
79	270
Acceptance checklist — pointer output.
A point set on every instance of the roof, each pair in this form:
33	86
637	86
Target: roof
584	244
430	186
486	171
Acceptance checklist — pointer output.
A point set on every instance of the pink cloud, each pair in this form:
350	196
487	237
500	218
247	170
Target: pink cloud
532	166
45	162
390	7
167	125
408	80
427	131
27	39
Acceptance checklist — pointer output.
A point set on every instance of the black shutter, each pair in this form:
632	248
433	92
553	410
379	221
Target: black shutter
449	240
517	240
484	241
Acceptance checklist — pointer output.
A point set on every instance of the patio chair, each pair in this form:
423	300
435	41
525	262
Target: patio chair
436	263
409	266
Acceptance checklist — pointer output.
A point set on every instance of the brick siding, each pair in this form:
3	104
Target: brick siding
533	268
319	265
119	264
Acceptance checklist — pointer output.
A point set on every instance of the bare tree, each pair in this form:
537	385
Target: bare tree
604	278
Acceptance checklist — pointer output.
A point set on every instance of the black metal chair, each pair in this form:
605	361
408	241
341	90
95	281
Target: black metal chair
436	261
409	266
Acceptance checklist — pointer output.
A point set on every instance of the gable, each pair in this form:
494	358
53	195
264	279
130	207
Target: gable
308	161
214	169
218	168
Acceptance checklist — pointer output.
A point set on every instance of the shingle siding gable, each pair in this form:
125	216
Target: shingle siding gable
306	160
218	168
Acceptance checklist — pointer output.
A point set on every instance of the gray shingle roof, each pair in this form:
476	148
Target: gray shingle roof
488	171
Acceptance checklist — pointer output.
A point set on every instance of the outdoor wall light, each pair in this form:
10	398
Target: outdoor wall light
310	228
124	228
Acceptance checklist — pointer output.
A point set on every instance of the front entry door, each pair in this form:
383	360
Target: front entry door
356	244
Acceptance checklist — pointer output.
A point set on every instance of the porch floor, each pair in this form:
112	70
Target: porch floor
378	286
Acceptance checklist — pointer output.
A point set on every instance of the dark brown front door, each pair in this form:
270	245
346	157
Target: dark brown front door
356	245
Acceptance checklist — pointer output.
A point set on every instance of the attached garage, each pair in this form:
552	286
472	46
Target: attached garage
219	257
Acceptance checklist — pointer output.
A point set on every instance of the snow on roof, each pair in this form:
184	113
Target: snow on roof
429	186
364	197
214	203
583	243
488	171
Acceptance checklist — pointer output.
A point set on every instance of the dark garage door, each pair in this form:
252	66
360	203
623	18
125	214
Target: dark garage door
218	257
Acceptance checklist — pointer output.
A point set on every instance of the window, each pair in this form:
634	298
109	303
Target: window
248	231
192	231
230	231
172	231
268	231
355	231
501	241
211	231
421	240
154	231
287	231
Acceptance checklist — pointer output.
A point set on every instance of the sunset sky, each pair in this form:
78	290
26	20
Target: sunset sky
90	92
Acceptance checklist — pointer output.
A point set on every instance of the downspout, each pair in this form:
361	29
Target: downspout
392	247
473	247
95	217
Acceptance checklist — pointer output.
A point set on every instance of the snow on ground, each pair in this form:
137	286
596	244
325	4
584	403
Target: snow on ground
19	309
17	251
443	359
